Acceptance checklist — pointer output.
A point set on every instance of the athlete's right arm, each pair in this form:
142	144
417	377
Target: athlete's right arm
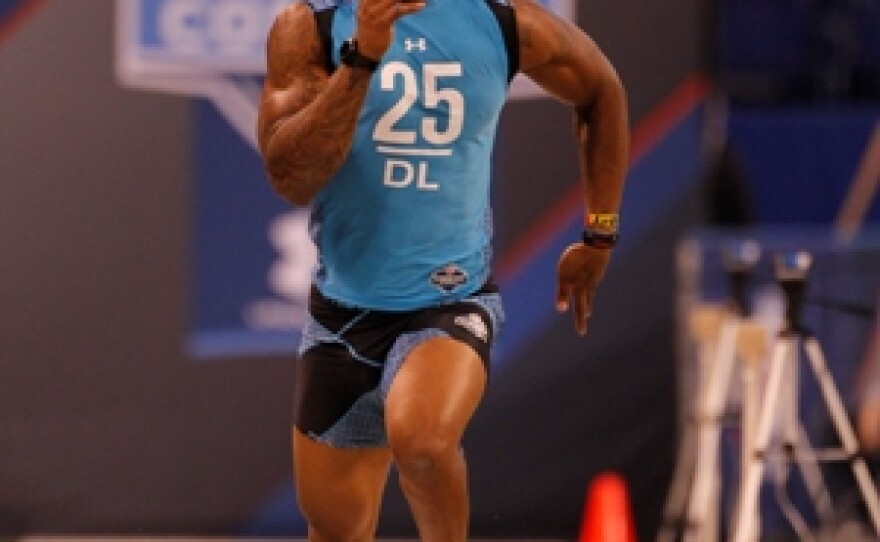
307	117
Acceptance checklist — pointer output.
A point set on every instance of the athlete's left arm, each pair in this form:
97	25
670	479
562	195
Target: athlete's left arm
569	65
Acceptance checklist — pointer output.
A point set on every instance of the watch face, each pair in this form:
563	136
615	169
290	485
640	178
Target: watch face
350	56
348	52
347	47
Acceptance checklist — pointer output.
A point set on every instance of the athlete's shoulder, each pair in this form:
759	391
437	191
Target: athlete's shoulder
292	15
291	45
542	33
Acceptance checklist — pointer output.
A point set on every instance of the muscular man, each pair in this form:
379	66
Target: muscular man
381	114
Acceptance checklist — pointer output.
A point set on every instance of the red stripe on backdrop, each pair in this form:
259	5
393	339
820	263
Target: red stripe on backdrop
645	136
18	17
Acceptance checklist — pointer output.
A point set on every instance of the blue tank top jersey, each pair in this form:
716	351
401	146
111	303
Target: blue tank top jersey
405	223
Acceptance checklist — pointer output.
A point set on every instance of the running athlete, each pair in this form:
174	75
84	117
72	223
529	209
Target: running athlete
381	114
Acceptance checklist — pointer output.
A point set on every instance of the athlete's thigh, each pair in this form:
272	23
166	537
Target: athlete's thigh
436	390
339	489
437	373
339	455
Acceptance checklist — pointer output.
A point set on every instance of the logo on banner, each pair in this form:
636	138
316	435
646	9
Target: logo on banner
212	49
160	37
289	278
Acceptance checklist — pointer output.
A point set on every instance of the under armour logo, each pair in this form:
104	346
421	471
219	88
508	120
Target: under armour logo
420	44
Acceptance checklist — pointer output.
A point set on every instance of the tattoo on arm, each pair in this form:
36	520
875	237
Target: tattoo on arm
307	118
317	139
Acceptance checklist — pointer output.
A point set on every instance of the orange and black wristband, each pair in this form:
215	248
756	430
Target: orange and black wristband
601	230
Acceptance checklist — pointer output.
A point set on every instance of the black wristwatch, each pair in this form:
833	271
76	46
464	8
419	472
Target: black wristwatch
350	56
597	239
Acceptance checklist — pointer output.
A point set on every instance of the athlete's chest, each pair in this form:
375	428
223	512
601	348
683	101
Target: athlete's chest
443	77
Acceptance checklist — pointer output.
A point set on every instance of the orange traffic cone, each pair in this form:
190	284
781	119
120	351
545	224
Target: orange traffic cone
607	514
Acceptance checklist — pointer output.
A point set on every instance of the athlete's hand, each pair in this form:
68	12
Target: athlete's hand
375	23
579	271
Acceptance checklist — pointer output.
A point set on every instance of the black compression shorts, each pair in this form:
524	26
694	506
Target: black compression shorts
349	356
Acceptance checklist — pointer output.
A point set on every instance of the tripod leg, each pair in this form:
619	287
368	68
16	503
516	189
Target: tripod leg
704	325
812	476
795	442
703	506
844	429
753	350
745	528
677	500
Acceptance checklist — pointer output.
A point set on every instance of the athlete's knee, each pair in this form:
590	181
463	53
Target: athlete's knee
421	446
335	516
335	525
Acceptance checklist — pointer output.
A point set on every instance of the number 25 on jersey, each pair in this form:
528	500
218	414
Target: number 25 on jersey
396	141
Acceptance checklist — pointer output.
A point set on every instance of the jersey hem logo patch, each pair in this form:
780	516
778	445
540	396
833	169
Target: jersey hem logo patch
449	277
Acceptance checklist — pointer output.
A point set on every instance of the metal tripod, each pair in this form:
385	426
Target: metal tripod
781	398
726	339
742	342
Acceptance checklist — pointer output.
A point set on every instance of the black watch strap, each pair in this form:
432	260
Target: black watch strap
597	239
350	56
